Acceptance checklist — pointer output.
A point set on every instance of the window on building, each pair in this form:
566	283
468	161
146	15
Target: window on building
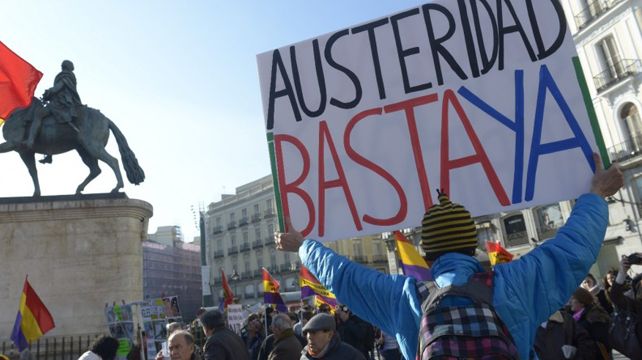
259	289
246	238
259	260
232	217
377	247
486	231
286	257
638	188
243	213
233	240
268	205
610	58
272	257
516	233
270	228
631	119
290	284
357	247
257	234
549	217
219	244
218	221
256	208
249	291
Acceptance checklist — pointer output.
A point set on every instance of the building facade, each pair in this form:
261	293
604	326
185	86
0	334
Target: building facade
240	238
172	267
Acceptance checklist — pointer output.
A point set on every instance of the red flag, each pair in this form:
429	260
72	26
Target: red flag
497	254
18	81
33	319
228	295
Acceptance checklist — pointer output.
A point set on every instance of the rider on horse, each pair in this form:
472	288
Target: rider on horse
63	102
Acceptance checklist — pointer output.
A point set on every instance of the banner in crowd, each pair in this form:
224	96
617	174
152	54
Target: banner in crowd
311	286
271	295
412	263
497	254
33	319
485	100
235	317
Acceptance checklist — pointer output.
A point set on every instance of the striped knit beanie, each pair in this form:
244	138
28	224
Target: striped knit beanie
447	227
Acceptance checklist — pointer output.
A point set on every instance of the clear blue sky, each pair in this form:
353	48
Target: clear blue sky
178	78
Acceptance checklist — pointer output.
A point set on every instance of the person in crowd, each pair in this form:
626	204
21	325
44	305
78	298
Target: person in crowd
103	348
292	310
324	341
172	327
351	329
632	305
181	346
293	321
388	346
520	294
269	313
325	309
222	343
596	289
592	318
561	338
306	315
286	345
254	336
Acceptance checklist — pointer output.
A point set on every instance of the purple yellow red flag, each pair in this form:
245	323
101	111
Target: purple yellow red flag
311	286
271	293
33	319
18	81
497	254
412	263
228	295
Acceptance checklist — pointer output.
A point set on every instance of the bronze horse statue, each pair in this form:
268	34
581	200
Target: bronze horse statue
88	137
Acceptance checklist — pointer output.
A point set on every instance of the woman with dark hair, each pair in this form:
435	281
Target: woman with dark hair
103	348
595	288
595	320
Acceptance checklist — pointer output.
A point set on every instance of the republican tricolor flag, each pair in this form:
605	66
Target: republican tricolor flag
497	254
311	286
33	319
228	295
412	263
271	293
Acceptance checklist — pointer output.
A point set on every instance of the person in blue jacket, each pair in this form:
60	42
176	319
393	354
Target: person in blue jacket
525	291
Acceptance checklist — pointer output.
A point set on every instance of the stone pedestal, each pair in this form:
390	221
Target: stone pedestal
80	252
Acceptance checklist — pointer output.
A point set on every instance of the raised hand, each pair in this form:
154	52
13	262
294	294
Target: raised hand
606	182
290	241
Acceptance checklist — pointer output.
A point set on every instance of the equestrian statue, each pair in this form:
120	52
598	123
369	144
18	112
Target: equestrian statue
59	123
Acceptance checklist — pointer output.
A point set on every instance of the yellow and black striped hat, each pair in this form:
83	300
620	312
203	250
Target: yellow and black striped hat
447	227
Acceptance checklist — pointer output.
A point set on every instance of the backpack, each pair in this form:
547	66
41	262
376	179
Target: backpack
471	332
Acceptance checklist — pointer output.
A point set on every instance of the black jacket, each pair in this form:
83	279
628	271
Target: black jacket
225	344
337	350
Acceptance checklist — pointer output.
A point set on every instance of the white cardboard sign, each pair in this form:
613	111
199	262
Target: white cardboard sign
479	99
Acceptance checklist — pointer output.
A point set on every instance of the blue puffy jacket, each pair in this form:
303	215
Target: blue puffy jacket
526	291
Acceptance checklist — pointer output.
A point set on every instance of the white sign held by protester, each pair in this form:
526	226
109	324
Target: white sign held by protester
481	99
235	317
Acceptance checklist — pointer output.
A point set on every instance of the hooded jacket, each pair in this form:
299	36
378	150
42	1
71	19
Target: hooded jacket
525	291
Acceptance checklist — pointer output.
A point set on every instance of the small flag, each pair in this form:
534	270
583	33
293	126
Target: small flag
497	254
18	81
33	319
320	300
271	293
412	263
311	286
228	295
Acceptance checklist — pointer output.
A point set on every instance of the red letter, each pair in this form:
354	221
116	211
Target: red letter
340	182
403	206
480	154
409	107
293	186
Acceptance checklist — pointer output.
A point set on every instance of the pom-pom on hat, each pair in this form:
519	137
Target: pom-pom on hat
447	227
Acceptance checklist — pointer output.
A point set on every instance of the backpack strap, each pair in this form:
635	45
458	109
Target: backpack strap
479	289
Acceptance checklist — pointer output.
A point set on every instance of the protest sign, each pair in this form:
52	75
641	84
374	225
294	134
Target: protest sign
485	100
235	317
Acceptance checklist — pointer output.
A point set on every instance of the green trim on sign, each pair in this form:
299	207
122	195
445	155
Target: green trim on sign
275	181
599	139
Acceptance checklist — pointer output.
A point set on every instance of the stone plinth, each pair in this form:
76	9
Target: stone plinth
80	252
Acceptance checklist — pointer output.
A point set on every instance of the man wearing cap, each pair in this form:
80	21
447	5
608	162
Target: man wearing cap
523	293
324	342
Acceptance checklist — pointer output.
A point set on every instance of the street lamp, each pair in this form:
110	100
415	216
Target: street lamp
235	277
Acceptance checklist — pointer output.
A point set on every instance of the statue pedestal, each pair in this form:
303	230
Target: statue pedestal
80	252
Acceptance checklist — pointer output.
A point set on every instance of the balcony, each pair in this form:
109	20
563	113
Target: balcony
517	239
546	233
257	244
593	11
244	221
616	73
232	250
285	267
231	225
256	217
379	258
217	229
269	213
257	273
246	274
269	240
628	149
359	258
245	247
218	254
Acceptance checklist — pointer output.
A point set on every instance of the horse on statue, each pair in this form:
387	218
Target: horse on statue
88	137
